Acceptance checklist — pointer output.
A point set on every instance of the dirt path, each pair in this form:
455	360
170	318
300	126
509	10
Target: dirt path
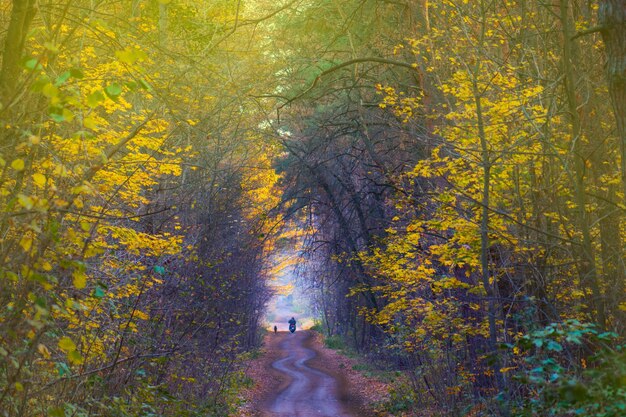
309	391
297	376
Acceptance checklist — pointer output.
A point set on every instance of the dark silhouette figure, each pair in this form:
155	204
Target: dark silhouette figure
292	325
275	329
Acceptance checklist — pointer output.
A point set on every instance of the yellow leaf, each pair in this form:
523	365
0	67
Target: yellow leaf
25	201
141	315
43	350
66	344
79	279
26	243
81	189
18	164
67	115
75	357
19	387
90	123
39	179
50	91
131	55
46	266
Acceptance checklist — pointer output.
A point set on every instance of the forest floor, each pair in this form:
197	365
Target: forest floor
296	375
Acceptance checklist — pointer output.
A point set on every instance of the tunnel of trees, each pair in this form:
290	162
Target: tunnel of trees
453	173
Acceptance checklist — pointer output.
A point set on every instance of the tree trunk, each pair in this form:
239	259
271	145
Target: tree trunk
585	252
22	15
612	20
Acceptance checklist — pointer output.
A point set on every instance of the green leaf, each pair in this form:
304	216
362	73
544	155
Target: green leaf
63	369
12	276
548	361
60	114
554	346
573	392
39	84
607	336
33	65
56	412
51	47
98	292
95	98
57	117
62	78
46	281
77	73
144	84
574	337
113	90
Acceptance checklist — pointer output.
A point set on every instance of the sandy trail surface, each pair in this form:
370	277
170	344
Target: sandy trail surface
306	390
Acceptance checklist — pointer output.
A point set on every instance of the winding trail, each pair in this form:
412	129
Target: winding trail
307	392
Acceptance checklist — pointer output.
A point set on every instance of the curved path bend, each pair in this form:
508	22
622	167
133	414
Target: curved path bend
309	392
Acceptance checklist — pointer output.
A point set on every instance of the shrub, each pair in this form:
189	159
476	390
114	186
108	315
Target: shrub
573	369
334	342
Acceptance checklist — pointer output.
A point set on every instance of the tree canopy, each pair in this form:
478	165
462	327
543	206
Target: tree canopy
452	174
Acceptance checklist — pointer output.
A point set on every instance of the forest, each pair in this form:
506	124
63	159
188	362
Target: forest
451	173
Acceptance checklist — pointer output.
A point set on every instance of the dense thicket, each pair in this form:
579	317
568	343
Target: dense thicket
475	218
457	168
135	190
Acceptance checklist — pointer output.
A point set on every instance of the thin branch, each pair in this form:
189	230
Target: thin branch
589	31
347	64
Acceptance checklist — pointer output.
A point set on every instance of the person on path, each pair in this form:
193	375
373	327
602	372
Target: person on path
275	329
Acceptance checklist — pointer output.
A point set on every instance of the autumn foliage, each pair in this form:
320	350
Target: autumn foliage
474	221
454	172
132	267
